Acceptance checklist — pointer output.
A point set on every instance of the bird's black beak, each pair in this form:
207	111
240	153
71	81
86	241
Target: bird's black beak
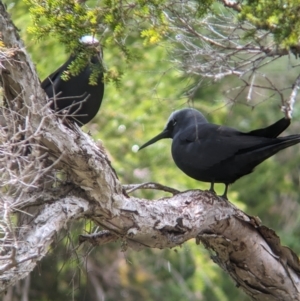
164	134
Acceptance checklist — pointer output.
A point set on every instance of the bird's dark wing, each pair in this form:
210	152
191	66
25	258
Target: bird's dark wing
273	130
212	144
51	82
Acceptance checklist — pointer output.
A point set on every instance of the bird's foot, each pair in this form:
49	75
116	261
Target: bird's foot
211	188
224	196
212	191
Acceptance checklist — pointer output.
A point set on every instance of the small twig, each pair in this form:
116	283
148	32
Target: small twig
97	239
288	105
14	262
250	92
150	185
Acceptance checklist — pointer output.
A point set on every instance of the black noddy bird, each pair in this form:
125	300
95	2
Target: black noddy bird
76	95
218	154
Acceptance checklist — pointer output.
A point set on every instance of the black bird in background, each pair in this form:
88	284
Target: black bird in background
76	95
218	154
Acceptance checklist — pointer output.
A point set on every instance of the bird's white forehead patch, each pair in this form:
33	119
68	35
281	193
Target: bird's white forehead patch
88	40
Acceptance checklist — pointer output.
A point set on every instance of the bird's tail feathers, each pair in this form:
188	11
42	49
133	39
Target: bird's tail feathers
271	149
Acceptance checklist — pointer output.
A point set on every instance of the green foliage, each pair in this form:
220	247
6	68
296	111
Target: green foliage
69	20
279	17
152	35
116	22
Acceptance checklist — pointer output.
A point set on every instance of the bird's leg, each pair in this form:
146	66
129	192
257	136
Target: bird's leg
224	196
211	189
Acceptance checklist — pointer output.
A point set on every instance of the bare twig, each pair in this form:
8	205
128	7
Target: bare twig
150	185
215	47
288	105
14	262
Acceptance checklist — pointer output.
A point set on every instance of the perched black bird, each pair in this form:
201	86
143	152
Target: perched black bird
76	95
218	154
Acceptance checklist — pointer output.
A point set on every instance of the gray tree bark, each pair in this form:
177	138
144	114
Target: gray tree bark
250	253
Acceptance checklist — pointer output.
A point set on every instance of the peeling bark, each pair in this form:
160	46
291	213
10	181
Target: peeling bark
250	253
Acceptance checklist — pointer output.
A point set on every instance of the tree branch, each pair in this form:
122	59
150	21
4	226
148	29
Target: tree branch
36	236
288	105
214	47
149	185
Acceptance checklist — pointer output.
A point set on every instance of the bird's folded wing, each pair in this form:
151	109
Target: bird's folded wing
50	82
212	144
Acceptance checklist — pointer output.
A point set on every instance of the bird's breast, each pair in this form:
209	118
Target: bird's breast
189	157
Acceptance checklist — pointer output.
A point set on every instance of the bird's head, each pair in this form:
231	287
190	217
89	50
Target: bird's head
177	121
93	46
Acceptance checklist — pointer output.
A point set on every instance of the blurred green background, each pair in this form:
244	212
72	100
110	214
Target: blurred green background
151	88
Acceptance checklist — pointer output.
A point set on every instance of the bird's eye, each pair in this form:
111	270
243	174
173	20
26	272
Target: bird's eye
174	122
